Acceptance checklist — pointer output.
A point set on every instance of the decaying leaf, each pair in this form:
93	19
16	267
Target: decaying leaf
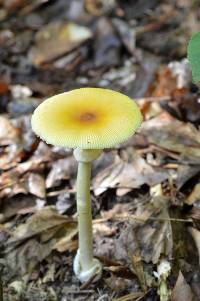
17	181
66	243
178	137
41	221
126	33
185	173
9	133
182	290
107	44
17	205
151	236
62	169
31	242
194	195
36	184
125	176
99	7
56	39
196	236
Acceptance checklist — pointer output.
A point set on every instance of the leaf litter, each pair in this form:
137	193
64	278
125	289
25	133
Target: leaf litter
145	192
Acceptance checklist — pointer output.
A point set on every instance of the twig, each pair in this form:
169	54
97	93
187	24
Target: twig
141	219
130	296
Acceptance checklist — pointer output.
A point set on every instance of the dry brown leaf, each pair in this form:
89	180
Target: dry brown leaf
62	169
18	205
22	259
182	290
8	134
18	140
104	230
196	236
67	242
116	210
173	135
104	161
19	179
41	221
36	185
126	33
56	39
185	173
194	195
125	176
169	82
152	238
99	7
15	181
31	242
107	44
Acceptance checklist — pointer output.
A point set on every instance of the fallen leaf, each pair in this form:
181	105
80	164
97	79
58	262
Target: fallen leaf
194	195
104	230
50	275
41	221
107	44
125	176
196	236
173	135
121	279
17	205
66	243
16	181
182	290
99	7
22	259
9	133
150	235
56	39
36	185
185	173
126	33
31	242
62	169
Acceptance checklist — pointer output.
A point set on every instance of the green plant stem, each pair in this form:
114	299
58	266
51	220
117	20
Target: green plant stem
84	215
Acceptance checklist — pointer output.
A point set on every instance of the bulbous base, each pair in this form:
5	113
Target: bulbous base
94	272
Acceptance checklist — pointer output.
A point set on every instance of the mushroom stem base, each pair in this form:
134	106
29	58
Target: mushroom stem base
94	272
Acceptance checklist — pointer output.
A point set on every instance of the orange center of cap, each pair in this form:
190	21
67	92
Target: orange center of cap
87	117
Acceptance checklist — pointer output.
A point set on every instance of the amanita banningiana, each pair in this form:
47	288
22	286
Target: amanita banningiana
87	120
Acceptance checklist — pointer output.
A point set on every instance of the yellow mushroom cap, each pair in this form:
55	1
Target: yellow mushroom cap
87	118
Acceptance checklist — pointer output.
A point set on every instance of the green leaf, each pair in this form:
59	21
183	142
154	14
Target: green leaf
194	55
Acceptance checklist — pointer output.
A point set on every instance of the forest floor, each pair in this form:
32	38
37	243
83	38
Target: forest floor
145	192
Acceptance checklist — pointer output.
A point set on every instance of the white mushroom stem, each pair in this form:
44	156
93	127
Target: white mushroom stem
85	265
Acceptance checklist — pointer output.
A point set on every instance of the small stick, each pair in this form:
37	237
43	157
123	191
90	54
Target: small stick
141	219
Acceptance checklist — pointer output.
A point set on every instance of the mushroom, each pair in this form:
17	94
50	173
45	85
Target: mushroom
87	120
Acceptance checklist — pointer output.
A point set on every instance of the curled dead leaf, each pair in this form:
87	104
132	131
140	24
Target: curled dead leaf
182	290
56	39
31	242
